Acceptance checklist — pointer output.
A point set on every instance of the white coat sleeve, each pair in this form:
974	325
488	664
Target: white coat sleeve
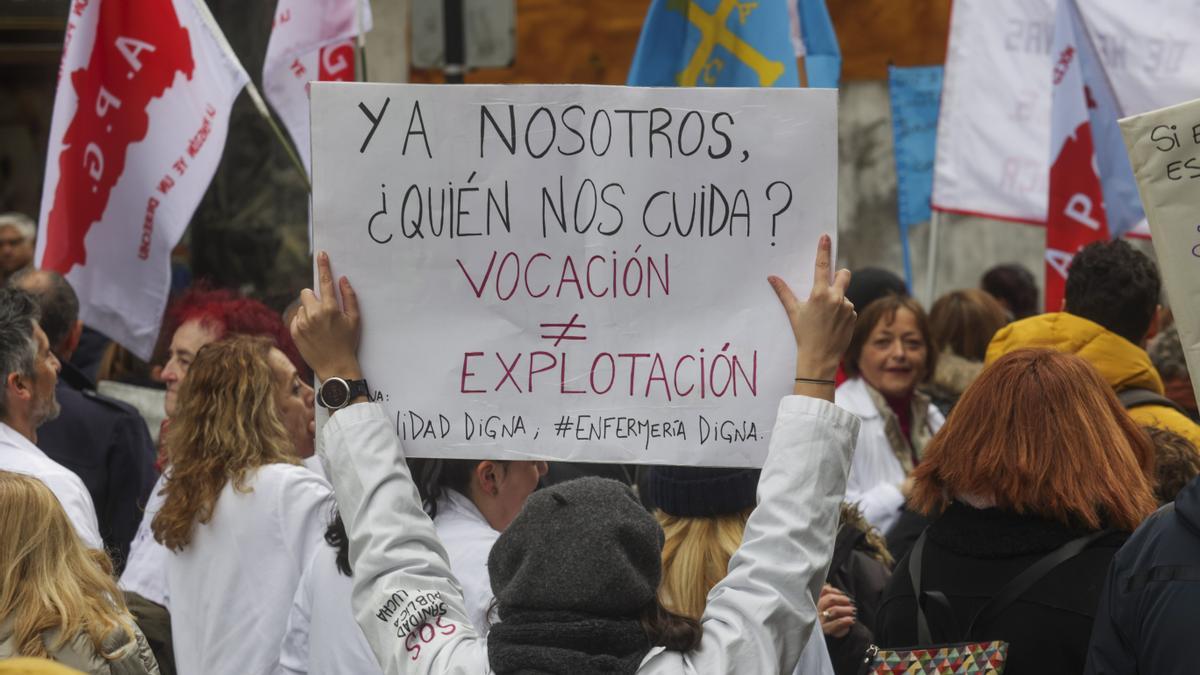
405	598
759	618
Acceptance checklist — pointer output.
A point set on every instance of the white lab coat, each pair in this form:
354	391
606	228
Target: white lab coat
19	455
146	569
322	637
875	474
232	587
468	539
758	618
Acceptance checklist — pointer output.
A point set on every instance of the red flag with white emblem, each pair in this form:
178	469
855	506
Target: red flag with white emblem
141	113
311	40
1076	214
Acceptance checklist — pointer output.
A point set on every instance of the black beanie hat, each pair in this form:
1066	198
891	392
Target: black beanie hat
701	492
869	284
584	546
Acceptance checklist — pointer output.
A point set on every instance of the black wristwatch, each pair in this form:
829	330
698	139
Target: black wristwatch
336	393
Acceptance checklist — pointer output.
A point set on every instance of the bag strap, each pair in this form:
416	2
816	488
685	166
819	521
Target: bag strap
914	573
1137	397
1014	589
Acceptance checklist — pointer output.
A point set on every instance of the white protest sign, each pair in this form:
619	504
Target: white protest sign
575	272
1164	148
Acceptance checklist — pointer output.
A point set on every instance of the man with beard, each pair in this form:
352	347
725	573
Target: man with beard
30	373
102	440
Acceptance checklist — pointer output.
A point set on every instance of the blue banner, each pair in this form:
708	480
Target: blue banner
715	43
822	55
915	95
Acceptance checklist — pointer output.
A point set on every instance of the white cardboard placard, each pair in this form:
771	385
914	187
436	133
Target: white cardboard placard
527	289
1164	148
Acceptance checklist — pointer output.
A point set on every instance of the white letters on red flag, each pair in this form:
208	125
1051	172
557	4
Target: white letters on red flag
1076	214
310	40
140	118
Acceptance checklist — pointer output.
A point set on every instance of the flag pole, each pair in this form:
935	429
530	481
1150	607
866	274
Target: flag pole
935	220
359	14
261	106
255	97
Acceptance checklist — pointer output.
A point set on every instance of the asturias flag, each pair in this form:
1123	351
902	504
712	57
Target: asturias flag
715	43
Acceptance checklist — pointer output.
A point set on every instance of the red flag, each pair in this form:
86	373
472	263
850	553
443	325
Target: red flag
310	40
140	117
1075	216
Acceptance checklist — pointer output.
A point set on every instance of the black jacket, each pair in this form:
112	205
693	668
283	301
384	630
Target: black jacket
105	442
864	579
970	554
1146	622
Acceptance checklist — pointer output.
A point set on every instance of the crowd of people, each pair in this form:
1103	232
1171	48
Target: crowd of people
979	473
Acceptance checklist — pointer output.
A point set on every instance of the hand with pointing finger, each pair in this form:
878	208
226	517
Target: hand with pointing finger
326	332
822	325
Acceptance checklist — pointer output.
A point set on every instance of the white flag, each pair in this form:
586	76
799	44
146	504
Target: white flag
140	118
311	40
994	147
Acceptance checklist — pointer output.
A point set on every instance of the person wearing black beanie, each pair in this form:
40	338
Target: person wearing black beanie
872	283
576	573
574	577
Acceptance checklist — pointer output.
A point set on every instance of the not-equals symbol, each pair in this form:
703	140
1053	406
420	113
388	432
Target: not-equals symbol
566	328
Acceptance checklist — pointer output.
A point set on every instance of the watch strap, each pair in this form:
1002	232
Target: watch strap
358	388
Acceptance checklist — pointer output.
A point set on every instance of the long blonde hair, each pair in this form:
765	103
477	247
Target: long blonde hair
695	558
226	425
48	578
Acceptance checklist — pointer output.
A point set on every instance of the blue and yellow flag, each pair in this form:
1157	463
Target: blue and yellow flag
715	43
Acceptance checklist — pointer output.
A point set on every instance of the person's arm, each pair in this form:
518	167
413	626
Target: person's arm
760	616
131	476
405	598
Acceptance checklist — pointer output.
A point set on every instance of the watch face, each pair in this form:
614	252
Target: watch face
335	392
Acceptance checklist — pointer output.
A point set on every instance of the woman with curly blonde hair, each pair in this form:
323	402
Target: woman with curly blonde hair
242	516
58	599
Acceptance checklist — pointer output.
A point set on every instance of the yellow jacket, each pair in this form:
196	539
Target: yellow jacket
1122	364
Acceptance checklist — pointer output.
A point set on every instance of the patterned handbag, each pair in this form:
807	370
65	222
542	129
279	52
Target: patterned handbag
965	658
982	658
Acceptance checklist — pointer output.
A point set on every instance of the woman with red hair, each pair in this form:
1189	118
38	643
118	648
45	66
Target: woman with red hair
1037	454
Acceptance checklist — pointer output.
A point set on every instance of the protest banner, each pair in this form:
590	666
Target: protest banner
1164	148
141	113
575	272
1077	213
310	41
994	142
